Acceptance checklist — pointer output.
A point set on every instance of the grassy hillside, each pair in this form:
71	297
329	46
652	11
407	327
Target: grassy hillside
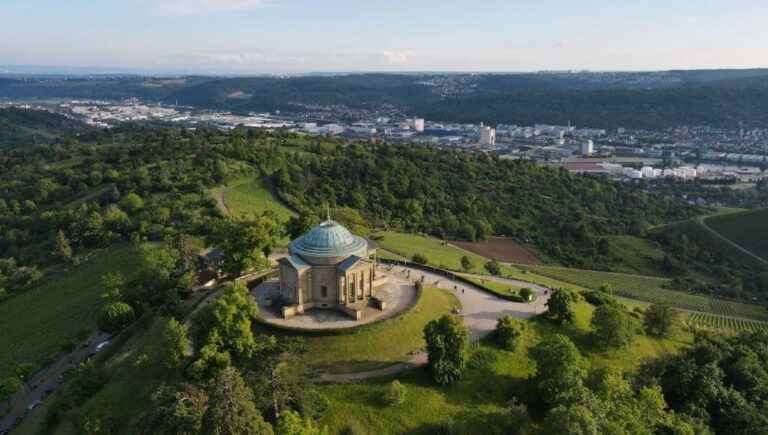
748	230
438	253
250	196
637	255
650	289
478	402
36	324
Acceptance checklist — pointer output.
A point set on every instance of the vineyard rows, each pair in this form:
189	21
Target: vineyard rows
720	323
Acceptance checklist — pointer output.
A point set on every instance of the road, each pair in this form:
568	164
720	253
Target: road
480	311
42	383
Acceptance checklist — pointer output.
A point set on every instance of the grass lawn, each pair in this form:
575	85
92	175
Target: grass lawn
250	196
439	255
499	288
37	323
381	344
477	403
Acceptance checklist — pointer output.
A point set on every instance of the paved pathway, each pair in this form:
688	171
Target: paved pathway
480	311
42	383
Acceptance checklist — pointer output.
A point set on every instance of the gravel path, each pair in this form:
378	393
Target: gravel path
480	311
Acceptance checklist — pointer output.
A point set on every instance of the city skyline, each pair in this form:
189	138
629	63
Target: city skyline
296	36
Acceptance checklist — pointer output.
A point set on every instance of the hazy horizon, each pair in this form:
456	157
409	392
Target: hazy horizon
246	37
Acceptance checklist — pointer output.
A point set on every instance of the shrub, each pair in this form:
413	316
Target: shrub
420	258
395	394
493	267
526	294
508	332
116	316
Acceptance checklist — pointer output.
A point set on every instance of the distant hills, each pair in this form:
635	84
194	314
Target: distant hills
721	98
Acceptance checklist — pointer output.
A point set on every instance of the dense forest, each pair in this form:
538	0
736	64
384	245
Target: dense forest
471	196
19	127
720	98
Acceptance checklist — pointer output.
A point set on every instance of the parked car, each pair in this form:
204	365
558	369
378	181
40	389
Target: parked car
34	405
102	345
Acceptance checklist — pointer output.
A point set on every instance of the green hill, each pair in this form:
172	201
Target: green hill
748	230
21	127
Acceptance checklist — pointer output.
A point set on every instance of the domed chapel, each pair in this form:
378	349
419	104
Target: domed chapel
329	268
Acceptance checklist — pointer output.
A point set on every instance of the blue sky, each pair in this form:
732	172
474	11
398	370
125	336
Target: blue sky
252	36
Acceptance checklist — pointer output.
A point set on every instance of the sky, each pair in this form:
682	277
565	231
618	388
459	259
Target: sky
291	36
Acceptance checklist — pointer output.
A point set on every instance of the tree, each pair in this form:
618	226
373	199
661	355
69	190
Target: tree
175	410
571	420
612	326
508	332
281	381
132	203
231	410
246	244
175	343
230	320
114	285
466	264
659	319
116	316
493	267
211	361
559	307
291	423
395	394
301	224
63	249
447	342
10	386
420	258
559	377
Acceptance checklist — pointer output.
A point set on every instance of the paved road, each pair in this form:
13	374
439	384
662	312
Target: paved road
48	379
480	311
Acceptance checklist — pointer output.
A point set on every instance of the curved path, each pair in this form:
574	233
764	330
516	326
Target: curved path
480	311
702	220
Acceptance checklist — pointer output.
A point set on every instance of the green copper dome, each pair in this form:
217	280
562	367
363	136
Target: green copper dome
329	239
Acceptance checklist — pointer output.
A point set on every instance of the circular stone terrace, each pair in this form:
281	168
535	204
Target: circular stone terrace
398	293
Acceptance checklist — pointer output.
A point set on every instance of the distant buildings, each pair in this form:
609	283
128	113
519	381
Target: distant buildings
417	124
487	136
587	148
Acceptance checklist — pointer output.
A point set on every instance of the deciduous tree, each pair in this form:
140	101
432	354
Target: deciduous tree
447	341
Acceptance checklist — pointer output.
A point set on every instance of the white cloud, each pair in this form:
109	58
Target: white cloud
202	7
397	57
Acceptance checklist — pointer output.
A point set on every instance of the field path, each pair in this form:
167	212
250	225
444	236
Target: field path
702	220
218	195
480	311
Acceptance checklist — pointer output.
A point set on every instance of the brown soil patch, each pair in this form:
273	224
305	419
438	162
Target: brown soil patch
501	248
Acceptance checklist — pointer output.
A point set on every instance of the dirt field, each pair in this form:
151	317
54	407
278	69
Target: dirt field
501	248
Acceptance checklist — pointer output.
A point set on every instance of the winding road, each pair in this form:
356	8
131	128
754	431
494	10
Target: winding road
480	311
